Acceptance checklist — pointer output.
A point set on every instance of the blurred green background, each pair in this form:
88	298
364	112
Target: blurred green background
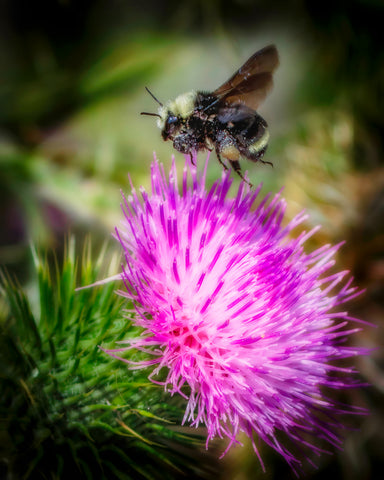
72	78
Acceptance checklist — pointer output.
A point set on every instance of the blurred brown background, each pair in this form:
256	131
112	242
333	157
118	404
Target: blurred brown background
72	78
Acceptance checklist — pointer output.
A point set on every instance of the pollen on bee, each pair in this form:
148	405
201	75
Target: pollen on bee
230	152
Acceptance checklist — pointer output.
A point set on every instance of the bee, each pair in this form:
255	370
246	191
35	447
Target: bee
224	120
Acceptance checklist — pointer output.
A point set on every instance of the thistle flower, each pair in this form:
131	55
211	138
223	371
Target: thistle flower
235	312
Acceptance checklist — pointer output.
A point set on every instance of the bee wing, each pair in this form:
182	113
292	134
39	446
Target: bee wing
251	92
252	82
235	113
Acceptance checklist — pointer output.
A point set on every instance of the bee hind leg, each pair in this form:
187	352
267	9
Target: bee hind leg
236	167
258	157
265	162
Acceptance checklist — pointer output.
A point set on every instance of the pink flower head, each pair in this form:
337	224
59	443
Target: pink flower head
239	316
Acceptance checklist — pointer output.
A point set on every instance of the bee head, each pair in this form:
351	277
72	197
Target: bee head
174	114
169	124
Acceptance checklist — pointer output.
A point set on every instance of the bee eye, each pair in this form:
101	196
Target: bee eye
171	125
171	119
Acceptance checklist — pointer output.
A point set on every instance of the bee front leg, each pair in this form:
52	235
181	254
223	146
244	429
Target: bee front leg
236	167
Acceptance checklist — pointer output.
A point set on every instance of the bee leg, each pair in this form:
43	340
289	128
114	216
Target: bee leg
220	160
191	157
266	163
236	167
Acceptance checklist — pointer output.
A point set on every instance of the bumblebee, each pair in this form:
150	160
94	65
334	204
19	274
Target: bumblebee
226	119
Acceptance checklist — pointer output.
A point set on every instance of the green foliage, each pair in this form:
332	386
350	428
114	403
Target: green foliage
66	407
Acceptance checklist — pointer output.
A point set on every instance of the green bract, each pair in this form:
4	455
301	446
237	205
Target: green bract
66	408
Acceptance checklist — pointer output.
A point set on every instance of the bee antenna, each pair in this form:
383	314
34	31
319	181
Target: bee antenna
151	114
153	96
